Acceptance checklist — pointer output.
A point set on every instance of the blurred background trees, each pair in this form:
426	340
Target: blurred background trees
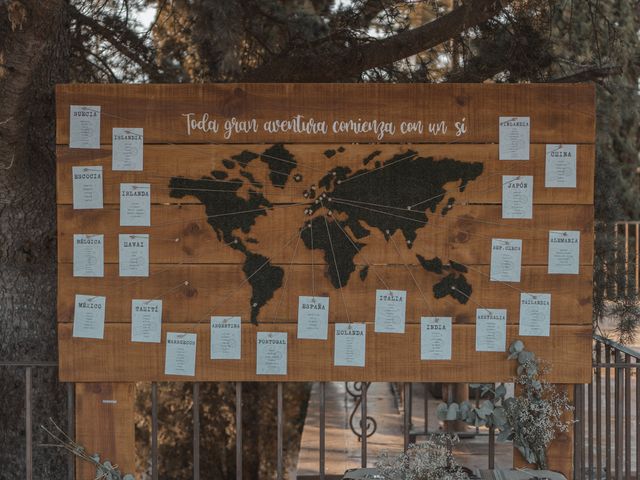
47	42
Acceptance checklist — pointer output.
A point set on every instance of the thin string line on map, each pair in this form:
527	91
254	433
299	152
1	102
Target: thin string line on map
424	298
454	289
335	262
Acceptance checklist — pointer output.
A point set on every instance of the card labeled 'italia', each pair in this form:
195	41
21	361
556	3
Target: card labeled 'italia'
87	187
226	338
350	345
146	321
313	317
391	307
84	126
180	354
435	338
128	144
271	354
88	316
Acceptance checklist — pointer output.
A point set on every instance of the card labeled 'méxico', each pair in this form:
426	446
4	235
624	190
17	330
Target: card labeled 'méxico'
506	259
84	126
391	307
514	133
180	354
560	166
226	338
135	204
535	314
271	354
435	338
517	196
88	316
87	187
88	255
564	252
350	345
134	255
491	330
128	144
313	317
146	321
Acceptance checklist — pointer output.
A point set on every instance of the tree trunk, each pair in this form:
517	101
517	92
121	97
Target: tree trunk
34	54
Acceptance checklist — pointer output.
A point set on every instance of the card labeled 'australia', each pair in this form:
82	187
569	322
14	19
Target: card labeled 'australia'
491	330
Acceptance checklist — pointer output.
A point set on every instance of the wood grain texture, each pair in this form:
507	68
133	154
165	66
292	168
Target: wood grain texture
389	357
181	234
162	162
222	290
105	424
559	113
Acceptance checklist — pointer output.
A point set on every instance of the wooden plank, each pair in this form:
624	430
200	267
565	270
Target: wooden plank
562	113
162	162
389	357
222	290
181	234
105	425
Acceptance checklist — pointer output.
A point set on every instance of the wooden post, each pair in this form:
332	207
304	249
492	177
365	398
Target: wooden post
105	425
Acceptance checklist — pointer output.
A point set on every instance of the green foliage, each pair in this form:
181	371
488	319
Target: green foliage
531	418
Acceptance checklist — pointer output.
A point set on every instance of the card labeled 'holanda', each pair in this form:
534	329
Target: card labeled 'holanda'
350	345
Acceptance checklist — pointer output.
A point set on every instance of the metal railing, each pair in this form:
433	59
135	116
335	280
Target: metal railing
625	269
607	431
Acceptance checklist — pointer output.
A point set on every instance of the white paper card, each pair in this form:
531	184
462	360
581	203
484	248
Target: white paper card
127	149
134	255
391	306
84	126
87	187
491	330
560	166
313	317
88	316
135	204
88	255
517	196
506	259
271	355
514	138
564	251
435	338
535	314
180	354
146	321
350	345
226	338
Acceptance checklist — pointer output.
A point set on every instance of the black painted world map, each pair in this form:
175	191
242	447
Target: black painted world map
343	205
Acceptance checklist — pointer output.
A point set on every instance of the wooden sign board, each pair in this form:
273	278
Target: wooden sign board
262	193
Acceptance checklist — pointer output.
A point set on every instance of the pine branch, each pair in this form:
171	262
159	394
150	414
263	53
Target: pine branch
330	64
